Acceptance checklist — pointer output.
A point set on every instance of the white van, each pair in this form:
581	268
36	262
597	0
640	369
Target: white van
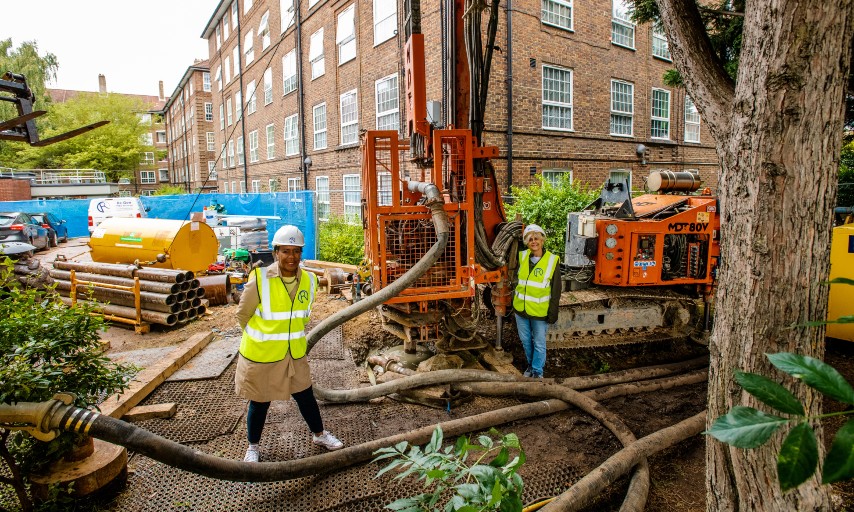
109	207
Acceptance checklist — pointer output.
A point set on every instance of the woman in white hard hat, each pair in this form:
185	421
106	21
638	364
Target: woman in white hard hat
536	298
274	312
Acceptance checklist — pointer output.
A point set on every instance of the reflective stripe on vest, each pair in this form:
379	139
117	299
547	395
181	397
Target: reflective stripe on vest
534	288
278	325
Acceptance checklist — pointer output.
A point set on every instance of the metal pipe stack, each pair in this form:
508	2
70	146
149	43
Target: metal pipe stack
167	297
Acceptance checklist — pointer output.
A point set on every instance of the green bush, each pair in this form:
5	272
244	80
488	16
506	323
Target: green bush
47	348
846	176
547	205
340	241
170	190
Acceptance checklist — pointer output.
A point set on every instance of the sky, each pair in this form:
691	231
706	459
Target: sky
133	43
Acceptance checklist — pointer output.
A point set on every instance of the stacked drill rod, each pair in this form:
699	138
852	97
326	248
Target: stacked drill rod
163	296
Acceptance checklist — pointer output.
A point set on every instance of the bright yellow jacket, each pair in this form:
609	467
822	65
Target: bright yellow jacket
533	291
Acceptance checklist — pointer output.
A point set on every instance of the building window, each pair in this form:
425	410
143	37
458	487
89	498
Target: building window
234	14
222	158
268	86
622	28
235	55
161	136
218	36
319	114
248	50
291	135
242	187
147	158
211	170
273	184
388	104
353	197
264	30
558	13
660	126
125	193
247	4
144	118
164	174
218	78
555	176
225	187
208	111
147	193
349	118
228	111
289	72
256	186
240	155
621	176
238	105
557	98
233	187
271	141
622	107
250	98
226	64
221	118
286	10
210	140
315	55
660	47
206	81
225	28
385	20
253	146
692	121
312	3
321	185
345	37
384	189
231	151
294	184
147	139
146	177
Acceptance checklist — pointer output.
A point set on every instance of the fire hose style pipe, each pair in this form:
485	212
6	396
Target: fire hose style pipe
435	203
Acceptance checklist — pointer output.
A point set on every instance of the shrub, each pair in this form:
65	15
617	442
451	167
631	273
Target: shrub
169	190
340	241
846	176
547	205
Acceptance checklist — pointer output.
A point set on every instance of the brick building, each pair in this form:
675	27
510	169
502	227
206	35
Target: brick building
189	128
295	81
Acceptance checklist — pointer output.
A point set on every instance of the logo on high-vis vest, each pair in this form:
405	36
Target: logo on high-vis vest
538	272
302	296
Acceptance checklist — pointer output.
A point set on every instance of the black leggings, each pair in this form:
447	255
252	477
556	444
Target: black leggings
257	414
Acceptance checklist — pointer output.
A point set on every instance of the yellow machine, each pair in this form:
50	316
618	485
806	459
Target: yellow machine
841	295
156	243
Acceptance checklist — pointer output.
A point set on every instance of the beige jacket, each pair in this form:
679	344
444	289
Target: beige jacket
264	382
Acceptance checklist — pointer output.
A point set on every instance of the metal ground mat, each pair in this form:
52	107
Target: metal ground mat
330	346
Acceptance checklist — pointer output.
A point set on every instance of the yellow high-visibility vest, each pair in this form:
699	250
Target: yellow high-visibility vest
534	288
278	325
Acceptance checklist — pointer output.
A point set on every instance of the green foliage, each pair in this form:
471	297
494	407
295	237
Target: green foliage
846	176
746	427
340	241
47	348
491	482
547	205
169	190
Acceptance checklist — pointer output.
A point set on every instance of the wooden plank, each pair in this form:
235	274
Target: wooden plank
350	269
148	379
148	412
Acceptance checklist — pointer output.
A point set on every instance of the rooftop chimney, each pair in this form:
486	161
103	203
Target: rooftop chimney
161	89
102	84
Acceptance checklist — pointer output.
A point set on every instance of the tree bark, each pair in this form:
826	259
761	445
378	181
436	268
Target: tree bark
778	141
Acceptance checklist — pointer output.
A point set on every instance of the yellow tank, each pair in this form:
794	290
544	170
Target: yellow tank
185	245
841	295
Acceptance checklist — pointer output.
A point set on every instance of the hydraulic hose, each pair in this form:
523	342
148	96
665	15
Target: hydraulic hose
435	203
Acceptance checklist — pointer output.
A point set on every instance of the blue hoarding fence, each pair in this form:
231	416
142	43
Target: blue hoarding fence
296	208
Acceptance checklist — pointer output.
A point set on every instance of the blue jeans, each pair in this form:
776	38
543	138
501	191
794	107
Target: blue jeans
532	333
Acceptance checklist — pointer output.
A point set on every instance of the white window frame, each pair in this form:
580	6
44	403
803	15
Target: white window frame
251	98
147	139
384	188
321	187
247	4
660	46
286	13
291	135
268	86
319	126
234	187
659	119
147	177
551	103
242	187
385	20
270	131
316	56
352	197
218	36
294	184
692	121
248	48
163	175
256	186
218	78
620	172
617	112
620	18
211	170
211	142
231	153
208	111
381	115
229	113
553	12
147	158
225	29
226	64
160	135
253	146
264	30
235	56
345	37
289	72
238	105
221	117
553	176
349	113
273	185
206	81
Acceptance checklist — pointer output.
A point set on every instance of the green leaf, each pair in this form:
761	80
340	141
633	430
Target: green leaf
485	441
843	320
511	441
468	491
842	280
839	464
816	374
769	392
798	457
435	440
511	503
745	427
402	504
500	459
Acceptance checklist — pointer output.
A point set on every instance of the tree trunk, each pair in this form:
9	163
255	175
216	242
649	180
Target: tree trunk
779	144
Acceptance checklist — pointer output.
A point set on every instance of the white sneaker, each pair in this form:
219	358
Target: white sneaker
252	455
327	440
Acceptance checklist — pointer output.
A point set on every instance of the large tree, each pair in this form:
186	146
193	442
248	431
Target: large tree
778	130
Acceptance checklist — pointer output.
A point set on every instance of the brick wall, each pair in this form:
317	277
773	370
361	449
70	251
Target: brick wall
14	190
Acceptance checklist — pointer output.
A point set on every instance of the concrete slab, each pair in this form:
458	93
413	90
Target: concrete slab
143	358
210	362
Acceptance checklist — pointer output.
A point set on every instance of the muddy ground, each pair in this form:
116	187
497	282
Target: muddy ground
678	475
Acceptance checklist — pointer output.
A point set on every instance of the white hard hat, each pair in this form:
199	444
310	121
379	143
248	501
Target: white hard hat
288	235
532	228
